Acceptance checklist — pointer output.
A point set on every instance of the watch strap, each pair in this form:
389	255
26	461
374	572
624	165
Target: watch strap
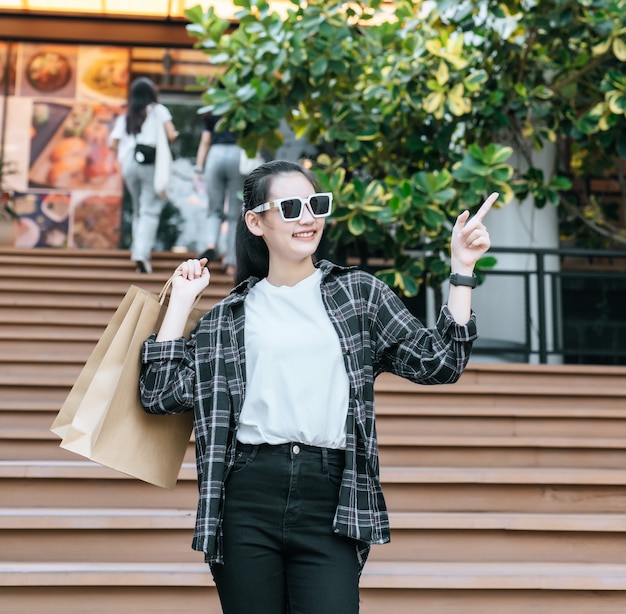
463	280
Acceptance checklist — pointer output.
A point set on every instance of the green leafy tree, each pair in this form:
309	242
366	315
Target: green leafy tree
417	110
560	66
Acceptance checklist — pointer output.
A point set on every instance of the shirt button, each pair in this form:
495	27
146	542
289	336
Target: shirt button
296	449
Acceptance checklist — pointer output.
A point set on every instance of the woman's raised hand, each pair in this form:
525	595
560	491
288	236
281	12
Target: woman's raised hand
470	239
193	277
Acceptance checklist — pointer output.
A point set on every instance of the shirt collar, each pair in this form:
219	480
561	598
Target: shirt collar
240	291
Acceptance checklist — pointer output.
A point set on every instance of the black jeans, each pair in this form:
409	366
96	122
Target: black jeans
280	552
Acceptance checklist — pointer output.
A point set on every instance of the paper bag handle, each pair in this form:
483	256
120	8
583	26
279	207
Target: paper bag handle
166	287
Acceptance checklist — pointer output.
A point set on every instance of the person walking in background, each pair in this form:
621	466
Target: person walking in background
217	160
280	377
136	135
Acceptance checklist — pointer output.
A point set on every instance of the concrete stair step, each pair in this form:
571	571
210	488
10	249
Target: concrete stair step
453	489
493	380
55	375
81	259
505	456
379	575
36	444
152	599
51	316
425	401
45	449
47	335
29	438
164	535
496	576
23	443
28	300
400	475
46	356
26	400
72	351
390	415
76	258
103	296
127	518
411	430
418	434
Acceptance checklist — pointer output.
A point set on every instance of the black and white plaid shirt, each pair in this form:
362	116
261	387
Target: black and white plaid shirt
377	333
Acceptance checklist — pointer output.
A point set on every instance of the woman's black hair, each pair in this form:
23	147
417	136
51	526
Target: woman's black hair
142	93
253	257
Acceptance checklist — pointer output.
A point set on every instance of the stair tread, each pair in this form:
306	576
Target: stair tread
501	575
497	379
84	469
469	440
105	300
51	518
506	475
384	408
95	518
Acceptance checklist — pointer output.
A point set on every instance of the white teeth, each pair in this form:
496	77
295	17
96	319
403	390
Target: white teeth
304	234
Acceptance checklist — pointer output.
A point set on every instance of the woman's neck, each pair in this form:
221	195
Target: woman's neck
289	273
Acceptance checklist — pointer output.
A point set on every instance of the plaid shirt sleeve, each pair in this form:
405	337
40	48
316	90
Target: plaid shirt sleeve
166	383
405	347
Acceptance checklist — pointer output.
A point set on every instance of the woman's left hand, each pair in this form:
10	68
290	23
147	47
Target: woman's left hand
470	239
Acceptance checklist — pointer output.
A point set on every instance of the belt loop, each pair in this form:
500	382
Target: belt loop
325	460
253	452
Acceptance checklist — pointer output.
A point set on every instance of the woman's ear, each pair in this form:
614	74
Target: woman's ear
252	222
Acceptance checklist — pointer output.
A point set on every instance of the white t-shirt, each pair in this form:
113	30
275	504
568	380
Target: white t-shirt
155	113
296	382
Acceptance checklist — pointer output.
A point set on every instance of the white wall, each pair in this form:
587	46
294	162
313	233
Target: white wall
499	302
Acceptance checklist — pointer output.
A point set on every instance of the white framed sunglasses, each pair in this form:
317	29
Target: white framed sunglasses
291	208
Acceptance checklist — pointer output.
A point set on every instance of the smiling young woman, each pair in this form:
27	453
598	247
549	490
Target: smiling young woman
280	377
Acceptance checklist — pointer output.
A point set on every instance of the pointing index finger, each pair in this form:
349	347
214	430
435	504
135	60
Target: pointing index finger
486	206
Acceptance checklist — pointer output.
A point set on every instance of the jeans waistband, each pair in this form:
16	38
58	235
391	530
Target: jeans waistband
293	449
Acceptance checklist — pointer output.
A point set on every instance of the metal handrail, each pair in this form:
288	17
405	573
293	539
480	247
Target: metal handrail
542	349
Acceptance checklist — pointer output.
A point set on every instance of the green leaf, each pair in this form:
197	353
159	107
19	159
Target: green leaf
561	183
195	14
319	67
368	134
356	225
433	217
486	262
619	49
408	284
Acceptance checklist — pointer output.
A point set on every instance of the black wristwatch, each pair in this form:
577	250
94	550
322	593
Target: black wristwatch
463	280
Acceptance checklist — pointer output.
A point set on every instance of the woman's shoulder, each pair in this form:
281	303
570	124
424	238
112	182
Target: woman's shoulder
225	306
355	281
120	123
346	273
160	110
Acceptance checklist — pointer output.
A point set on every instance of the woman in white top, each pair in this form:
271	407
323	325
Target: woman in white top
141	125
280	377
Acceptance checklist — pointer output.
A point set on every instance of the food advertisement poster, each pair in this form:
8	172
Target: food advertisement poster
49	70
68	188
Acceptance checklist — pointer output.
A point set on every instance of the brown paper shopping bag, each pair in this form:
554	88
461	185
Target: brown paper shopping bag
102	418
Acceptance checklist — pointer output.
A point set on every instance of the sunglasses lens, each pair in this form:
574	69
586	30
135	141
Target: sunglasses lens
320	204
291	208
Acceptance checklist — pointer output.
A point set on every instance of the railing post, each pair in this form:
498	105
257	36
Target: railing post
541	307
